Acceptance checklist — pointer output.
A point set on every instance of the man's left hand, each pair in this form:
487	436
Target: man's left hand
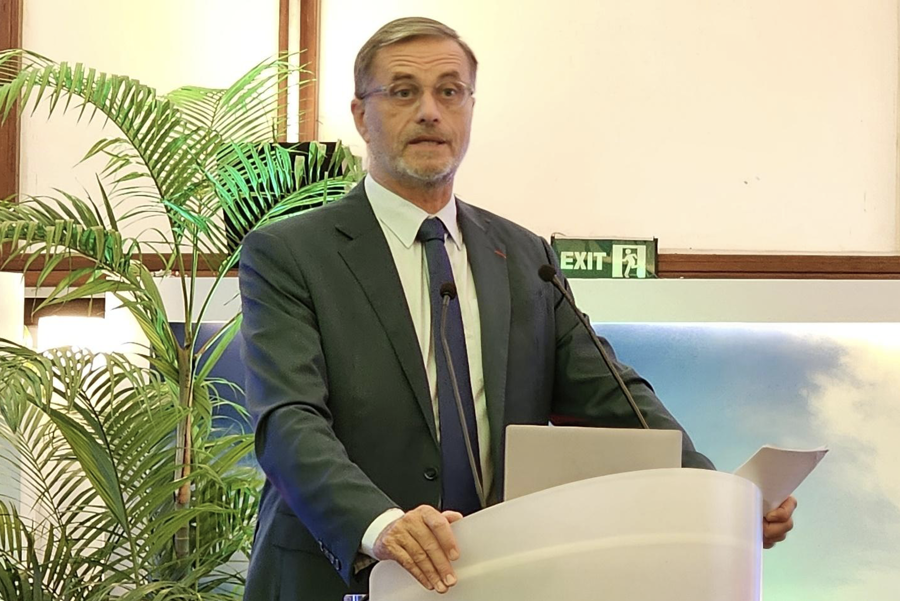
778	522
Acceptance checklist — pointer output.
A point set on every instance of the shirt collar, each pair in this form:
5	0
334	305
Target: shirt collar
404	218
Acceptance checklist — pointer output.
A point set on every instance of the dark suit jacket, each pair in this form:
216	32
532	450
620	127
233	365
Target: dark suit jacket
337	387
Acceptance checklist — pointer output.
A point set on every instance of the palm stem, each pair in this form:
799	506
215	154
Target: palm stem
183	456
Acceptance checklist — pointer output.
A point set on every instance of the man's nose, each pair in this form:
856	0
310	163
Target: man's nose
428	109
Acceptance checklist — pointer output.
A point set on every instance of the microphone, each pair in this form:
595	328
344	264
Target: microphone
448	293
548	274
448	289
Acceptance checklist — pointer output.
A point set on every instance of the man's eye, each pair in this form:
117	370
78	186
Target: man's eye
449	91
403	93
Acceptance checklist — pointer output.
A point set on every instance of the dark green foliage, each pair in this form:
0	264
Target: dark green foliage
99	440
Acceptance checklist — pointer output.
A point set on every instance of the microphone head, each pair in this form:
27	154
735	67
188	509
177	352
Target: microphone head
547	273
448	289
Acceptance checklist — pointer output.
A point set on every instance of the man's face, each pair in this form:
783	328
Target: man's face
423	144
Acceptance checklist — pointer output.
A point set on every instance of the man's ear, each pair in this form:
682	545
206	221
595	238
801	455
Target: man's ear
358	108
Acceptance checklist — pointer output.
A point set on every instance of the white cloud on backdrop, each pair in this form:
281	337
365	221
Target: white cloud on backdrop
738	386
856	407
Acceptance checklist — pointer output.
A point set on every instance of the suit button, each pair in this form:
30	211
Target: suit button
430	473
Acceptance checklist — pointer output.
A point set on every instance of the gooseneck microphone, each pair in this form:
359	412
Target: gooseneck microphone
548	274
448	293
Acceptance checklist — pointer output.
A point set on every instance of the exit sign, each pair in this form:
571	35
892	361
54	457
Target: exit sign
594	258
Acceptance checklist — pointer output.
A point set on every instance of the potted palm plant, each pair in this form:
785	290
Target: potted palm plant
137	492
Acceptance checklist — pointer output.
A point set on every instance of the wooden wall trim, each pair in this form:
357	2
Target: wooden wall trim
82	307
306	42
309	94
688	266
10	37
800	267
17	265
284	31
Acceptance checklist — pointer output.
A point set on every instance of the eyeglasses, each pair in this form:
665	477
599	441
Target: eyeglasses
403	94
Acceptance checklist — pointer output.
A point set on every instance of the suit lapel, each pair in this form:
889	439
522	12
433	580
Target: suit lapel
368	256
487	258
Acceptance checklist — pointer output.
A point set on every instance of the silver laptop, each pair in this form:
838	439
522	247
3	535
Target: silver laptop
540	457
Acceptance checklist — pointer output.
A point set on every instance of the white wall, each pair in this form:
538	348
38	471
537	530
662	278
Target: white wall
165	44
669	301
729	125
715	125
12	306
12	327
739	301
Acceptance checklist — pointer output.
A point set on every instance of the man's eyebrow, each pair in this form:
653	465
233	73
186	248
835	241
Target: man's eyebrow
401	76
453	73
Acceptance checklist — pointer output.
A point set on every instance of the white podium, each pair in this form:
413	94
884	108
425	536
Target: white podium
666	534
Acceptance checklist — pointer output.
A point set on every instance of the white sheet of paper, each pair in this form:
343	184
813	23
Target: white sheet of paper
778	472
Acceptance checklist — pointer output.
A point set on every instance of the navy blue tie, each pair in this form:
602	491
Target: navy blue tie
457	484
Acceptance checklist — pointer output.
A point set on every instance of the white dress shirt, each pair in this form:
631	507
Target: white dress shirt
400	221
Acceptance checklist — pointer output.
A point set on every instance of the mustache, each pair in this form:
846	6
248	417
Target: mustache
426	134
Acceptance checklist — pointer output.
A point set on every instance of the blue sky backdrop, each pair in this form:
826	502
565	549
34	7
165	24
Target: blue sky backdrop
736	387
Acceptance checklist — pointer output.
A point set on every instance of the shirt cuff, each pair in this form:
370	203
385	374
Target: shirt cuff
367	546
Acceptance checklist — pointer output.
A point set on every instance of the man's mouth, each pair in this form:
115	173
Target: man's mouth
427	141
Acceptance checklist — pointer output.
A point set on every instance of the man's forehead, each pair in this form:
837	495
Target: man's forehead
425	56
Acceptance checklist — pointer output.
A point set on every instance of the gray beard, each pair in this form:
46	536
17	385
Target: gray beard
418	177
429	178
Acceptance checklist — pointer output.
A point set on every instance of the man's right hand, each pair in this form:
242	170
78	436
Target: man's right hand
423	543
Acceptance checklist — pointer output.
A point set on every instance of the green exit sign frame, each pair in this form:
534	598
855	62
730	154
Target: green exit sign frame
599	258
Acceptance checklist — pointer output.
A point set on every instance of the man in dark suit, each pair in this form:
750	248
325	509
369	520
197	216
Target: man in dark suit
348	383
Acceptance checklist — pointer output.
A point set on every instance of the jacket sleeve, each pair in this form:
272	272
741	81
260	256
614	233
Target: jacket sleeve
586	393
287	397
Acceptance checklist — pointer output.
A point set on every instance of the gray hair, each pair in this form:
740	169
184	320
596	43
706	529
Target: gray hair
404	30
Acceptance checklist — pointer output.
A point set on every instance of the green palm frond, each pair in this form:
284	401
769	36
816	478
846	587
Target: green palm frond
57	229
243	111
254	185
25	572
167	140
140	489
100	433
150	123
